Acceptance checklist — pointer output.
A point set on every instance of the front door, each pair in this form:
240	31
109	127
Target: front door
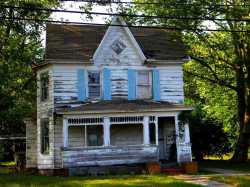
166	138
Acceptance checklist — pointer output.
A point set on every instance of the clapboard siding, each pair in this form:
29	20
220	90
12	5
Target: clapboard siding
109	156
58	141
171	84
65	84
119	83
31	144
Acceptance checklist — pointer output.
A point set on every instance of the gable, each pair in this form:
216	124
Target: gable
118	47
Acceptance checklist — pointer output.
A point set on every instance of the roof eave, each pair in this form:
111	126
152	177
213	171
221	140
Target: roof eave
176	109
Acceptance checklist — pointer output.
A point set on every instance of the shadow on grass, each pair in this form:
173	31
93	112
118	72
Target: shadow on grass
104	181
242	181
225	164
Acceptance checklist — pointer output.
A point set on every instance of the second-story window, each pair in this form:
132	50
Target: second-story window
44	86
143	87
94	86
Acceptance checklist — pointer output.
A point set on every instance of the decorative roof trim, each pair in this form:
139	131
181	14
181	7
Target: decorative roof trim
131	37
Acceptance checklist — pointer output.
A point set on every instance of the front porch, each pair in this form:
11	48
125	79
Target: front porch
122	139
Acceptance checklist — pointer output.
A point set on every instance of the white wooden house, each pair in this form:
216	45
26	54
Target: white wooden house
108	96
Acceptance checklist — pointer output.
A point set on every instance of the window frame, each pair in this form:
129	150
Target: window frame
149	85
44	78
44	146
100	84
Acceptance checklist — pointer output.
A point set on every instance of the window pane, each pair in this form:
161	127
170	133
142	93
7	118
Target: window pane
95	135
144	92
94	84
143	78
45	136
94	91
94	77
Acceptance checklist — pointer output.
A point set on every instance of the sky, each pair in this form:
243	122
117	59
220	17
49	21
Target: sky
71	17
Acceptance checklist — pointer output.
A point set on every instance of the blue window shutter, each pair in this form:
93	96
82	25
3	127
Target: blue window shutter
131	84
156	85
106	84
81	84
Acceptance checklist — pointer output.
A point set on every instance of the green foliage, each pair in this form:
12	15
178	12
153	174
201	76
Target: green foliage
20	47
208	136
217	77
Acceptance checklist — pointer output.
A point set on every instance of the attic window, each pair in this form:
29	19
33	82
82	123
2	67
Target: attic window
118	46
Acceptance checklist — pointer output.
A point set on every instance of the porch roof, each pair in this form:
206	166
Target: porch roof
120	106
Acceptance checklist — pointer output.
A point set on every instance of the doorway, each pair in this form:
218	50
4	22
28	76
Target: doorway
167	139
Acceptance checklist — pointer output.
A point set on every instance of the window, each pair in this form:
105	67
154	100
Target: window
45	136
144	90
152	133
85	136
94	84
44	84
95	135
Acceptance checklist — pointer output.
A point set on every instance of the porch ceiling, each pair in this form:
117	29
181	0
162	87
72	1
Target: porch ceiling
120	106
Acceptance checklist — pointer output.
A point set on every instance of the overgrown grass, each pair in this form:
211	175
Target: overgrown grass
241	181
225	164
104	181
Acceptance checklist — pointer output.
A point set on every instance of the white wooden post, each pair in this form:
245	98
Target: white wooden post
187	134
106	131
146	130
177	136
156	131
65	132
187	140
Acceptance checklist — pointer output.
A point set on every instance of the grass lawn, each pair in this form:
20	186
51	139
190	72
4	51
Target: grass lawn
104	181
241	181
225	164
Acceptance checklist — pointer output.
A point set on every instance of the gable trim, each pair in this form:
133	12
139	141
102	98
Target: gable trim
128	32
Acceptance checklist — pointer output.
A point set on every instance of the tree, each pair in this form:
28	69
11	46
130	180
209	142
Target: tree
20	47
212	139
221	59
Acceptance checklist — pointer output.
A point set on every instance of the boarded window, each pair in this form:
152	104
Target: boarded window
143	88
45	136
44	84
94	84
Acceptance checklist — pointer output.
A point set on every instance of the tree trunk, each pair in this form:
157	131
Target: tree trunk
242	145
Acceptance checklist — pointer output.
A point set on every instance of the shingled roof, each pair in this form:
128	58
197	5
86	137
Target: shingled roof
79	42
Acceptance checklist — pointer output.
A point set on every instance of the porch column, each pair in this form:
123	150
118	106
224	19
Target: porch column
187	134
146	130
65	133
106	131
177	136
156	131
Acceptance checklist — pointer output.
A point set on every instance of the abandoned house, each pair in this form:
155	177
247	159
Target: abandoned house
108	96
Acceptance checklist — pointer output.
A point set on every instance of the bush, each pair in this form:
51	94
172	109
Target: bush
207	136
